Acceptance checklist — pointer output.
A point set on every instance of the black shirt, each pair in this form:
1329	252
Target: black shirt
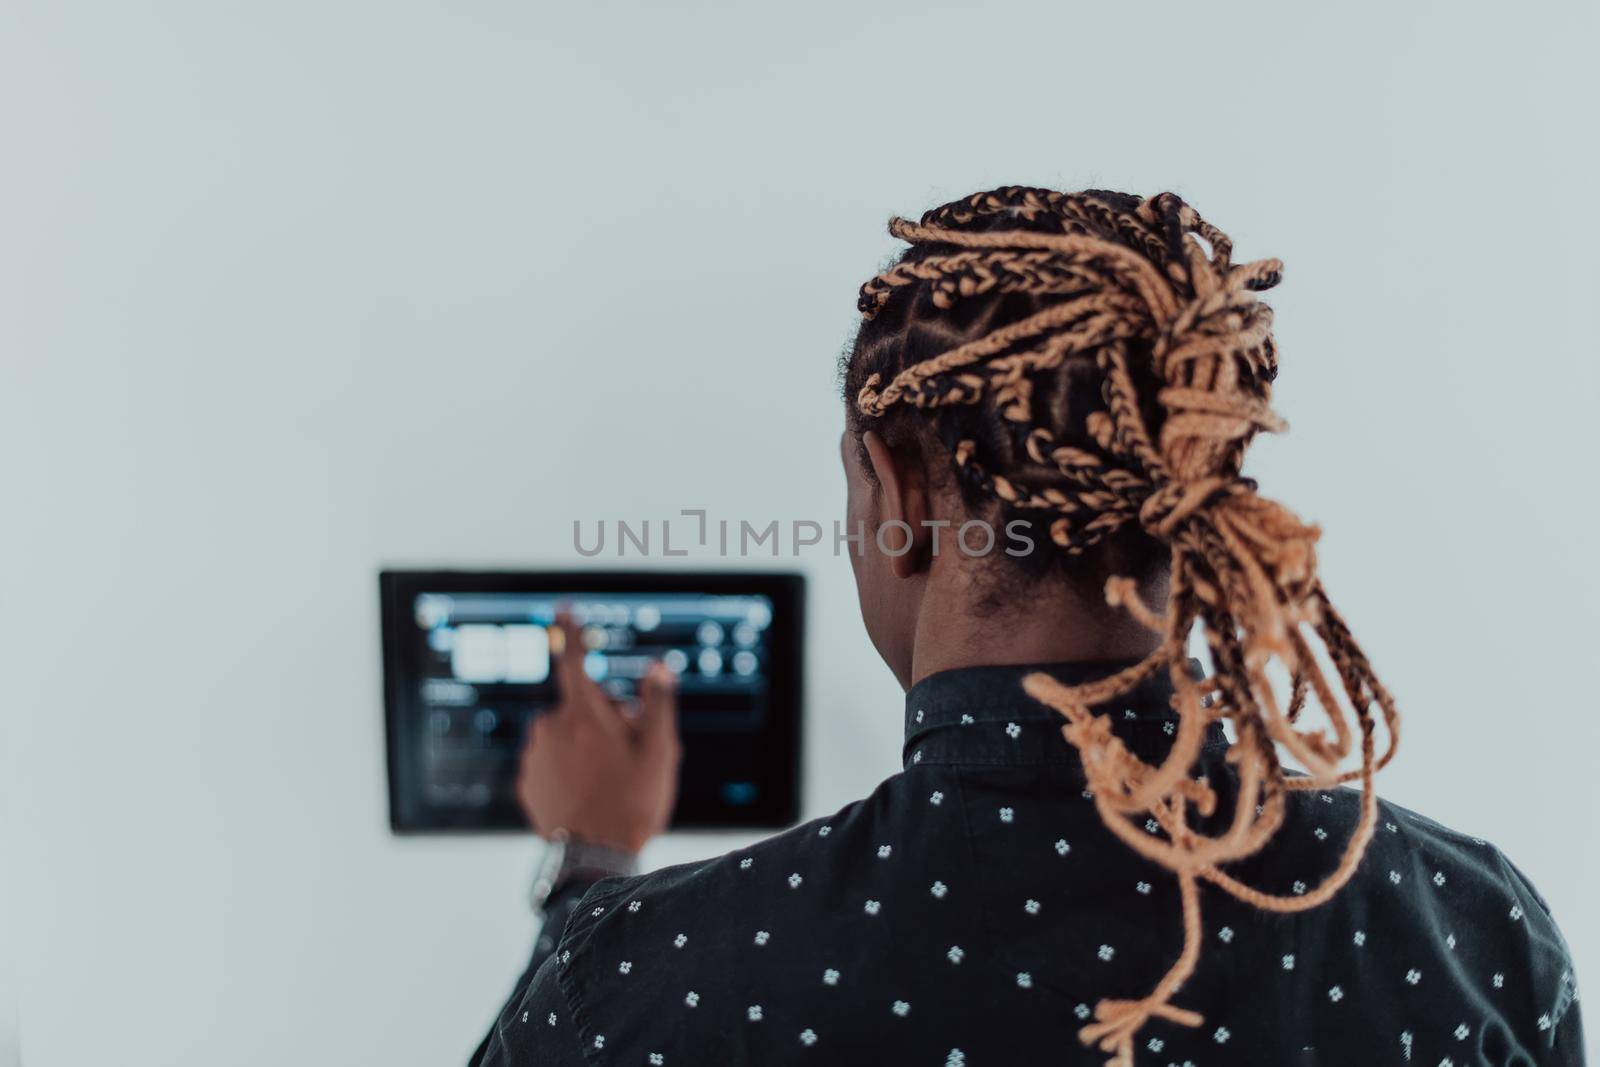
973	909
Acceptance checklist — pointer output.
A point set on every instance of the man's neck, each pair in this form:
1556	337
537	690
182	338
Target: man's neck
1051	622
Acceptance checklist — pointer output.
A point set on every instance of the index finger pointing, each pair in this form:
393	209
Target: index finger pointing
579	691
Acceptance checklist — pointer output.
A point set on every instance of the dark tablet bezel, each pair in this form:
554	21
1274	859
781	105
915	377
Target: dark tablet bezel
778	802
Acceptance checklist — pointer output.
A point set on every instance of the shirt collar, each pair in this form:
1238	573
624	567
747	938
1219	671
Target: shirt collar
981	715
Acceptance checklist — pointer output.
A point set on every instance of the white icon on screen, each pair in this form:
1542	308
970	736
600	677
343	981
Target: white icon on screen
431	610
487	653
527	653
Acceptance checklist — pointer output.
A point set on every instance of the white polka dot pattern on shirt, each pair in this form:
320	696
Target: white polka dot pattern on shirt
1001	838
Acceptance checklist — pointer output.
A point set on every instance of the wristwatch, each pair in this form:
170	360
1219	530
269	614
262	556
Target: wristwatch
569	859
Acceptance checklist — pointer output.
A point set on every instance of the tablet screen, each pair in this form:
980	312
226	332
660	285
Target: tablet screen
468	665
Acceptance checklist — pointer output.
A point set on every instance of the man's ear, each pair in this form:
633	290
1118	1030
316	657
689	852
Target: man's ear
903	501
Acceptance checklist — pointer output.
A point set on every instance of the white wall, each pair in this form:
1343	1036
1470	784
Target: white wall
296	289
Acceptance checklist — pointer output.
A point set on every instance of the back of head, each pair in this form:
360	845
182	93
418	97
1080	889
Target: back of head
1095	366
938	298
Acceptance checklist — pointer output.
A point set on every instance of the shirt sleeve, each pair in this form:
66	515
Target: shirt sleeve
533	1026
1557	1037
1567	1043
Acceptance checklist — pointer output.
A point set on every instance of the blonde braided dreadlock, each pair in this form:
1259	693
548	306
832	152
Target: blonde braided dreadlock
1144	296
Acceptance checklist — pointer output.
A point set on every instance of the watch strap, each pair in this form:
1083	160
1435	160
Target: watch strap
568	860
